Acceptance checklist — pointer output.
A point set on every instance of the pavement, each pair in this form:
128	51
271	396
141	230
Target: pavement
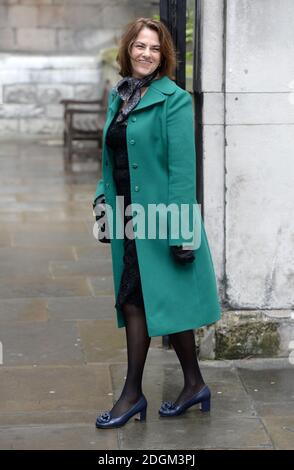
64	359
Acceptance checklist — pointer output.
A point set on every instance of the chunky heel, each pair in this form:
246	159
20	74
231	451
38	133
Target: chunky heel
105	420
205	405
143	414
171	409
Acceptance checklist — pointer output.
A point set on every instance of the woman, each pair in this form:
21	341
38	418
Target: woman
163	286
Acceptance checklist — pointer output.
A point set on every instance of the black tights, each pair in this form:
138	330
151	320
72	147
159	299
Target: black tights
138	343
185	348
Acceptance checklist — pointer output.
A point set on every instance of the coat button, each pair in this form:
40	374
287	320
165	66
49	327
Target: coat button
132	142
135	165
137	188
134	119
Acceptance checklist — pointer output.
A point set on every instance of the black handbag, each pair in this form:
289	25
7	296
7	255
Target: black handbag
99	210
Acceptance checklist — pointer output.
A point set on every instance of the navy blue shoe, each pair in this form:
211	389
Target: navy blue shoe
203	397
106	421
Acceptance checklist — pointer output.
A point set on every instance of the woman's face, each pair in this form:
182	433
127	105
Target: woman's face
145	53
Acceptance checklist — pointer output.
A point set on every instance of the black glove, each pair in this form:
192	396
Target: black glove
182	256
99	213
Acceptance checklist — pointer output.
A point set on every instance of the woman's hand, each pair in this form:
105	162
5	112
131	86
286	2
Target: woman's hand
181	255
99	210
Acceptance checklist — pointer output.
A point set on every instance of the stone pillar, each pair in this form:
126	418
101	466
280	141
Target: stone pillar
249	172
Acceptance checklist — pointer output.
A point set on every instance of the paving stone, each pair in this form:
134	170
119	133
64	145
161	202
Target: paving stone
42	238
228	395
281	430
7	199
102	342
41	343
87	267
272	385
23	310
77	213
49	417
17	271
60	228
48	216
81	308
278	408
73	437
101	251
10	147
202	432
11	217
27	168
34	254
71	207
39	214
55	389
5	239
101	285
44	287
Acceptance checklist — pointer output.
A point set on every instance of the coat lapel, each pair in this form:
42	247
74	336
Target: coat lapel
116	100
155	94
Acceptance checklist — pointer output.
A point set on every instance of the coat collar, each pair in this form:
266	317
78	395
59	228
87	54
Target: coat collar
155	94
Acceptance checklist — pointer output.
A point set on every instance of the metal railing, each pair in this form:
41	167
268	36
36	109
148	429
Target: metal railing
173	15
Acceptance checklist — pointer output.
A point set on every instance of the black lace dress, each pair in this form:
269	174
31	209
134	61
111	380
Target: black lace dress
130	290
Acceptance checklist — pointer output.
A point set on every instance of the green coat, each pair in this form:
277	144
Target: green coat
161	152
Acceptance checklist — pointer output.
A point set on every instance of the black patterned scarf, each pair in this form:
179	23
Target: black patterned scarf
128	88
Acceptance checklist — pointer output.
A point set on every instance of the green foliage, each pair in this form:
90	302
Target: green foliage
109	55
189	25
189	39
189	70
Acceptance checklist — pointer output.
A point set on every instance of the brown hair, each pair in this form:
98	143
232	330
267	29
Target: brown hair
168	60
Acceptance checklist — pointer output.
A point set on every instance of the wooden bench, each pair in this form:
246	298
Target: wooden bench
84	120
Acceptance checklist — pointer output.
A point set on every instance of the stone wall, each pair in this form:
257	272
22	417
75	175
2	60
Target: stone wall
51	50
32	86
248	82
66	25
